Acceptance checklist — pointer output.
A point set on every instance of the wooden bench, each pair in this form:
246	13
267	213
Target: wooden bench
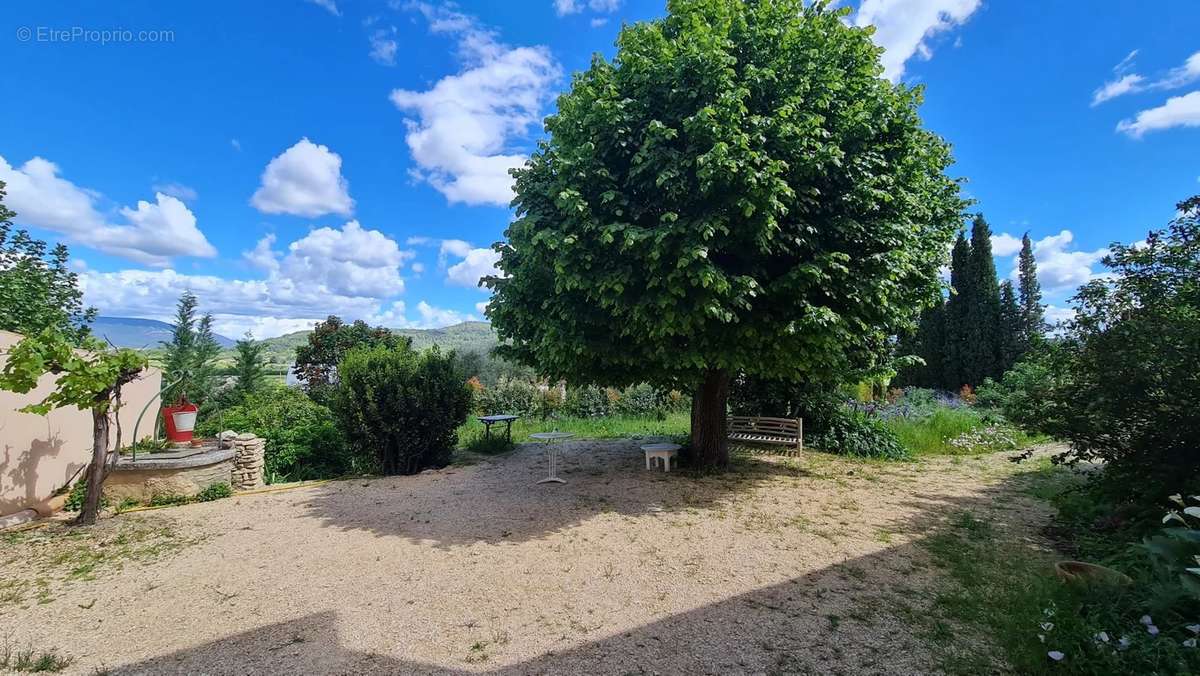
777	431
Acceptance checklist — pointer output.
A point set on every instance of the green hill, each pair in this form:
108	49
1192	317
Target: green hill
464	337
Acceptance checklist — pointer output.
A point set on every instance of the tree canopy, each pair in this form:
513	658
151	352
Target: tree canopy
330	340
739	190
38	290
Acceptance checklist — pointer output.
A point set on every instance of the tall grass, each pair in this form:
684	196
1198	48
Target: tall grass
931	434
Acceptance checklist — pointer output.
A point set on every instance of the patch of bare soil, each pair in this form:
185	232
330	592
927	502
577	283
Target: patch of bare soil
785	565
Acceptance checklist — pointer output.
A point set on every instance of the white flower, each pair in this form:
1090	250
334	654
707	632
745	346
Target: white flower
1102	637
1123	643
1194	628
1042	638
1048	612
1177	499
1056	655
1189	643
1047	626
1146	620
1152	630
1174	516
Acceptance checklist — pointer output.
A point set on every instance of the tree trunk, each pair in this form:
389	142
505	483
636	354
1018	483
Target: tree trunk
95	475
710	445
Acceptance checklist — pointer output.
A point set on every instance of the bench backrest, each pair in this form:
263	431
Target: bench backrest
783	427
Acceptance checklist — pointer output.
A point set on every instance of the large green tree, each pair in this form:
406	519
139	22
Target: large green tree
189	368
38	290
330	340
1033	313
955	337
738	190
982	321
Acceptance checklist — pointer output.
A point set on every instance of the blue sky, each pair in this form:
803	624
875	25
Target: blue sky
290	160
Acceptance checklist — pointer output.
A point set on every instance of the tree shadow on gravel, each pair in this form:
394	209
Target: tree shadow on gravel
870	614
499	499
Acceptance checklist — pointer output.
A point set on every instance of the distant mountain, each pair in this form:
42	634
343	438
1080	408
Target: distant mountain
464	337
138	333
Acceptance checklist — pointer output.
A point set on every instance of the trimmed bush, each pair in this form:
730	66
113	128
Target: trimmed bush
402	407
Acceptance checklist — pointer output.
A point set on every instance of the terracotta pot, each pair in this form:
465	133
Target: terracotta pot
1089	573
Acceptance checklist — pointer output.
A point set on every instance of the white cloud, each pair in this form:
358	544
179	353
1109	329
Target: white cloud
905	27
1060	268
417	268
1056	314
464	128
305	180
237	145
1114	88
430	317
565	7
152	232
1005	244
177	190
477	264
435	317
481	306
1127	82
262	255
384	45
452	247
349	271
599	21
329	5
1178	111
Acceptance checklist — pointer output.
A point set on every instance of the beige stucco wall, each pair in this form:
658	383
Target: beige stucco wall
40	454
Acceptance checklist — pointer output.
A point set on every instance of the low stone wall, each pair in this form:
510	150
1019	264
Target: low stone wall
248	462
149	477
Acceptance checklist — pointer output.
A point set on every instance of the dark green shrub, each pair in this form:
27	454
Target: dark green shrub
642	399
509	396
850	432
215	492
303	441
588	401
1123	385
404	407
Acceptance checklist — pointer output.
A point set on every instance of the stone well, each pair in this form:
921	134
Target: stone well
185	471
237	460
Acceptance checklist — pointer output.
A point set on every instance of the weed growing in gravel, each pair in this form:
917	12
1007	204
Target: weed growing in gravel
30	660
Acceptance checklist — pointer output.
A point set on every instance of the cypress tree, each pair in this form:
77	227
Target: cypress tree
982	317
1010	328
954	374
1033	313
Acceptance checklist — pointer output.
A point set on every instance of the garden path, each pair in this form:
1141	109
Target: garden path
801	565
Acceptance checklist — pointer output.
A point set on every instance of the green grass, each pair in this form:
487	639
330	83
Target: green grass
611	427
931	434
1006	590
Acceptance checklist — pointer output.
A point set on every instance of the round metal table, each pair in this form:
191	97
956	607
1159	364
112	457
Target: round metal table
552	453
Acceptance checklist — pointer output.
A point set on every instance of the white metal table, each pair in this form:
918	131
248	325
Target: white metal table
552	453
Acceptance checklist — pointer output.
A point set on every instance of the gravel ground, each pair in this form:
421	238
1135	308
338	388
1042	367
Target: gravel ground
786	565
